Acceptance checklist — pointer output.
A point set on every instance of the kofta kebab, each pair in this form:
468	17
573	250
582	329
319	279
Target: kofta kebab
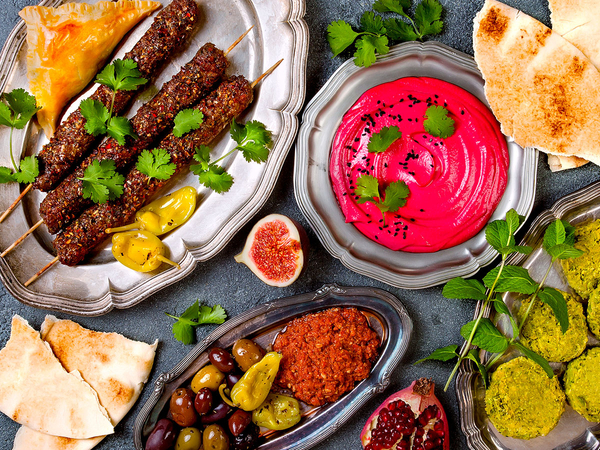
200	82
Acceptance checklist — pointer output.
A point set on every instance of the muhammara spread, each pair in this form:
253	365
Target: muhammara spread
325	354
455	183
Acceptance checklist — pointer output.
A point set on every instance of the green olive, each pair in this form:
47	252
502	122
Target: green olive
215	438
189	438
246	353
209	377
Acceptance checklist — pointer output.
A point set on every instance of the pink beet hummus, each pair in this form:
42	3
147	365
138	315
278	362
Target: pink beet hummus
455	183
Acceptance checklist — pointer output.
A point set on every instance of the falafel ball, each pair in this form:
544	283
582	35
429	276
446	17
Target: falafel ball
582	272
522	401
593	312
582	384
542	333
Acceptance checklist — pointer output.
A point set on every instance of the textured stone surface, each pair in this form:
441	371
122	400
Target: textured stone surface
437	320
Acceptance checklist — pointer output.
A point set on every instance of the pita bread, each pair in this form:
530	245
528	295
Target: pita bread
116	367
558	163
36	391
543	90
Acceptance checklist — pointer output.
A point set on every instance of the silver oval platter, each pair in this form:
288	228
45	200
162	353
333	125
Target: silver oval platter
387	317
317	200
101	283
573	430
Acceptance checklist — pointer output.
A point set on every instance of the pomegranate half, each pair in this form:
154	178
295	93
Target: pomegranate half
412	418
275	250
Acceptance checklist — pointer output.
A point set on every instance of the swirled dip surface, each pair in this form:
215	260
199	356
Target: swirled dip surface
455	183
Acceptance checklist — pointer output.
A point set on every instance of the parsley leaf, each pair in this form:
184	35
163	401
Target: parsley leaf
119	128
96	115
367	188
28	171
438	123
366	47
156	164
398	30
21	108
428	17
186	121
253	140
396	6
372	23
442	354
192	317
395	196
6	175
340	36
121	75
216	178
101	182
381	141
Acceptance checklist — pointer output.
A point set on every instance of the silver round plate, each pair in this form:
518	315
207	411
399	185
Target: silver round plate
573	430
386	315
102	284
315	196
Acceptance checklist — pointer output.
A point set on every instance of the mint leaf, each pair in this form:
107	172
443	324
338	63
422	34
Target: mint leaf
340	36
186	121
512	279
536	358
486	336
372	23
398	30
500	306
554	235
498	235
442	354
397	6
381	141
437	122
96	115
29	170
564	251
367	46
474	356
513	220
557	302
428	17
464	289
6	175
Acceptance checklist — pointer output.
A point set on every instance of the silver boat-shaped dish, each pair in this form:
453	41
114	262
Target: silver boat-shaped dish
317	200
387	316
101	283
573	430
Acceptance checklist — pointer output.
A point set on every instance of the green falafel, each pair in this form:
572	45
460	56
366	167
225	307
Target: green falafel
583	272
521	401
542	333
582	384
593	312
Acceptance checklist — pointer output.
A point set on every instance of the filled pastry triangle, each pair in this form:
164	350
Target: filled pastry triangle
69	44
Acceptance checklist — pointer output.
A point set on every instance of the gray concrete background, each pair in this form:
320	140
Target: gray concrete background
437	320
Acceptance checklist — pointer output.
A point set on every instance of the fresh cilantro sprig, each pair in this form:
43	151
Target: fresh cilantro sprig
381	141
253	140
101	182
481	332
367	188
377	33
16	110
437	122
186	121
156	164
195	315
120	75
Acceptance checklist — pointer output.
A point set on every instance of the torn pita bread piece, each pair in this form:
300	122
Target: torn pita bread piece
36	391
558	163
542	89
66	46
116	367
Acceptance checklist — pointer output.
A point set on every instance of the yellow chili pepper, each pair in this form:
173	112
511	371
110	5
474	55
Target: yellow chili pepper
164	214
278	412
139	250
252	389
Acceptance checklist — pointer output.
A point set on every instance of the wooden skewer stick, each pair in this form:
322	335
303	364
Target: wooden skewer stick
42	270
16	202
22	238
55	260
266	74
232	46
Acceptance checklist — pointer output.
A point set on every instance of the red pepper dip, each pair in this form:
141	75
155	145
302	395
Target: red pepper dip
325	354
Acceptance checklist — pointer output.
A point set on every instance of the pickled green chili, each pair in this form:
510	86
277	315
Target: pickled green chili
140	250
277	412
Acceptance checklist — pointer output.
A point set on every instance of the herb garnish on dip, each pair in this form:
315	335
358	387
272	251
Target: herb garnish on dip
455	182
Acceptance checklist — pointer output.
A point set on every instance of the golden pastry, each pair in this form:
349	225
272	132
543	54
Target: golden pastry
68	45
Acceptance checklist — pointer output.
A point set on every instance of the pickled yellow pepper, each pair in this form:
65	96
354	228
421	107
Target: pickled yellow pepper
254	386
164	214
140	250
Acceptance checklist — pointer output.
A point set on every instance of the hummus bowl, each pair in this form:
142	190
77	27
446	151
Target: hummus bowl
316	195
386	316
572	430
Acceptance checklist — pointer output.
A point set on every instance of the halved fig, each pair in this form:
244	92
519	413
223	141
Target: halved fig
275	250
